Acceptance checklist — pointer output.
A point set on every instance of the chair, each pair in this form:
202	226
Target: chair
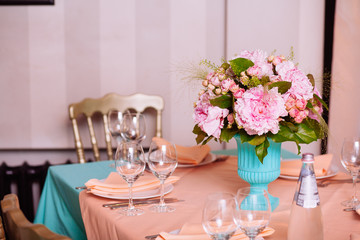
2	233
88	107
17	227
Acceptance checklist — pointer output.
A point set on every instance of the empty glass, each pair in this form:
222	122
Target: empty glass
219	216
254	210
130	164
133	127
162	161
350	159
114	121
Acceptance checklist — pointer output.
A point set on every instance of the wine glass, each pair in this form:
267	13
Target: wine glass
133	127
114	120
254	210
350	159
219	216
162	161
130	164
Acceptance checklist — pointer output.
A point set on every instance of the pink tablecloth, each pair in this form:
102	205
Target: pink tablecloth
193	187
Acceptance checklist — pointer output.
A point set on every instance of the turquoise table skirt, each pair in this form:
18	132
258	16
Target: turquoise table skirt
59	206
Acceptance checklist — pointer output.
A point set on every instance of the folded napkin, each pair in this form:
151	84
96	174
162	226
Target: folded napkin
293	167
115	184
188	155
196	232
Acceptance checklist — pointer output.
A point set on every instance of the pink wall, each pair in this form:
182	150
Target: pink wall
51	56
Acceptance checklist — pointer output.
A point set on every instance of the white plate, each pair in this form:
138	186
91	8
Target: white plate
139	195
208	159
330	173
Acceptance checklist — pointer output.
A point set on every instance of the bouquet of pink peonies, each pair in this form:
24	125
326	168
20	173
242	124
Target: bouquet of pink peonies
259	97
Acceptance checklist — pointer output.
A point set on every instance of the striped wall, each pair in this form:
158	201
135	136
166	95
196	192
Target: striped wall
51	56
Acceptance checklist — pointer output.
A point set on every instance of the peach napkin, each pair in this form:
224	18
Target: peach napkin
188	155
355	236
115	184
196	232
293	167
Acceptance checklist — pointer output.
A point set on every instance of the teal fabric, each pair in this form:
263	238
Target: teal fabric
59	208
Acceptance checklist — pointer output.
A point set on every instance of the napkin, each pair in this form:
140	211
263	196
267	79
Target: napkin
188	155
293	167
355	236
196	232
115	184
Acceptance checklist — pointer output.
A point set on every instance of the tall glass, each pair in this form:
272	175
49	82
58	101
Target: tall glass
130	164
350	159
254	210
219	216
133	127
162	161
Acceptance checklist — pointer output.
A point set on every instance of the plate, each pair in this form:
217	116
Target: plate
329	174
208	159
138	195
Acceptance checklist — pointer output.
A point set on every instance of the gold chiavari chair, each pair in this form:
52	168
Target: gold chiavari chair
89	106
2	232
18	227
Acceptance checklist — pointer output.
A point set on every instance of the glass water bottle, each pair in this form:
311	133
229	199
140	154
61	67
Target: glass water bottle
305	217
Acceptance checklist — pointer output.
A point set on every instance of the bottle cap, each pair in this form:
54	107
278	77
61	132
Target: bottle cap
307	157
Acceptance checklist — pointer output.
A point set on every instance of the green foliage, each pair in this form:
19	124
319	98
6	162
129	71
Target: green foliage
261	150
239	65
224	101
283	86
200	134
322	101
311	78
208	64
227	134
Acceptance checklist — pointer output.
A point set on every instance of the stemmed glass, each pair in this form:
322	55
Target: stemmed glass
130	164
114	120
254	210
162	161
133	127
350	159
219	216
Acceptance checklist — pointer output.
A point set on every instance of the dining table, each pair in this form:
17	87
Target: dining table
80	214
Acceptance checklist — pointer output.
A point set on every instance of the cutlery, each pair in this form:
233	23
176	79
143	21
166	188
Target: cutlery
81	187
351	209
137	201
140	202
327	182
151	237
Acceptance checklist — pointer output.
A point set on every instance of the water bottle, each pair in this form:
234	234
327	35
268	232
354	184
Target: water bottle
305	216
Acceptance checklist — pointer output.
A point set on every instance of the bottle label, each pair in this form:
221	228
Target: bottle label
308	196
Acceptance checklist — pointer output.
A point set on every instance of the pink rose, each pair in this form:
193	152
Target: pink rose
259	112
290	103
239	93
225	85
301	104
215	81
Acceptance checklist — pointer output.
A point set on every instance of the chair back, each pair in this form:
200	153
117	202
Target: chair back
17	226
112	101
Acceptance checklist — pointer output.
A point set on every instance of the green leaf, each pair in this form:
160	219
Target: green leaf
305	134
227	134
261	150
257	140
315	126
239	65
284	134
224	101
283	86
244	136
322	101
290	125
311	78
200	134
309	105
207	140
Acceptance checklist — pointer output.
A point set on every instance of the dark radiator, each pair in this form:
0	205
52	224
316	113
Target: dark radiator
23	178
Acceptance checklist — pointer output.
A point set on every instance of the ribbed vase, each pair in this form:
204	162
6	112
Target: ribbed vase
254	172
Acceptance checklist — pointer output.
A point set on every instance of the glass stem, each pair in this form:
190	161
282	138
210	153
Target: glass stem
354	178
131	203
162	201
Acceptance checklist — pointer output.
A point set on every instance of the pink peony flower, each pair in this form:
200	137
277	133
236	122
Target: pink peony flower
259	112
209	118
215	81
226	84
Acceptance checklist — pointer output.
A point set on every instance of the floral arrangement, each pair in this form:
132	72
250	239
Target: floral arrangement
259	97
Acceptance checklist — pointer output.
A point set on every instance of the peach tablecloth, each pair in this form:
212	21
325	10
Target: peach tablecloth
193	187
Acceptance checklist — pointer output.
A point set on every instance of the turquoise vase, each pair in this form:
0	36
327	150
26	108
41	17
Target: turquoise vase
254	172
